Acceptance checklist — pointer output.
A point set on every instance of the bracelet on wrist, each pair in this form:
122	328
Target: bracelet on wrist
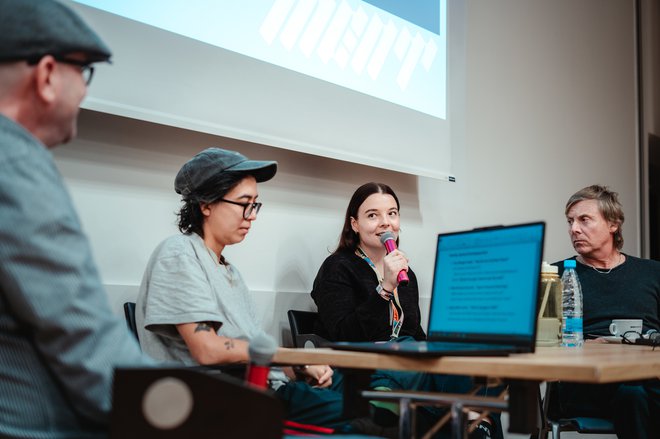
383	293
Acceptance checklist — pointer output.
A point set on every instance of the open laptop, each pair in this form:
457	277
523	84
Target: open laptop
484	298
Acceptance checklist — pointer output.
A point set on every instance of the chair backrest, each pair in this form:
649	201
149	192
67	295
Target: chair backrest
551	421
182	403
129	314
302	324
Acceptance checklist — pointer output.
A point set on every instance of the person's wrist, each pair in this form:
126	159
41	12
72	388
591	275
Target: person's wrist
389	288
300	369
383	293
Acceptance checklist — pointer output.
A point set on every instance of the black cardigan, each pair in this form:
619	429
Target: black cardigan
349	307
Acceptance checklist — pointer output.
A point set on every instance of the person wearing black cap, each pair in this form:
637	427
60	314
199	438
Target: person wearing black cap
59	340
194	307
219	196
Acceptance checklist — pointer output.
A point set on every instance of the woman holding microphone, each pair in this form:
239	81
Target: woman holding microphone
366	291
356	289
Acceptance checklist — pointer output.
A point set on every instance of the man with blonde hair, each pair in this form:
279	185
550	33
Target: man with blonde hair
615	285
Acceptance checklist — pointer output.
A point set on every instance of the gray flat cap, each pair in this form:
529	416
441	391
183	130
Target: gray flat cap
33	28
212	161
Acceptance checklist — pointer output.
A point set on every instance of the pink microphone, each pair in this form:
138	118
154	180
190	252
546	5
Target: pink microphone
389	241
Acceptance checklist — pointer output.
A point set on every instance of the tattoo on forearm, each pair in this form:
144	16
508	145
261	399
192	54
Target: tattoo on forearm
229	344
203	326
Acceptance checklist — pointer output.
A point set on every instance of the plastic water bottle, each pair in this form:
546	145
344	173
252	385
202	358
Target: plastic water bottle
571	331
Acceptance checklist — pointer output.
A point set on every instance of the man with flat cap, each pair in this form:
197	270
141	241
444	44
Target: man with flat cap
59	341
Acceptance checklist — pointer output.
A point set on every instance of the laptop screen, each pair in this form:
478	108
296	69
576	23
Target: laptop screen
485	284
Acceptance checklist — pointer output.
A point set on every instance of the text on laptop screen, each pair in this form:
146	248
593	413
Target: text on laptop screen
485	281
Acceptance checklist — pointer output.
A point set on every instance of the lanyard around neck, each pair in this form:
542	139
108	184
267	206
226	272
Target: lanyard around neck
396	311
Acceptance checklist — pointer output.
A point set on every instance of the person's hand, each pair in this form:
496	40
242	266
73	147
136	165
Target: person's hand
318	375
393	263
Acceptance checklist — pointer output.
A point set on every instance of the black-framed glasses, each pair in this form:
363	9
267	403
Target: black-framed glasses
86	69
629	337
248	208
634	337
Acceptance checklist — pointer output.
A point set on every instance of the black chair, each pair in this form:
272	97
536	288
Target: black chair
234	370
579	424
129	314
302	324
183	403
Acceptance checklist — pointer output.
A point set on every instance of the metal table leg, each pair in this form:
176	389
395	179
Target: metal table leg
405	419
458	426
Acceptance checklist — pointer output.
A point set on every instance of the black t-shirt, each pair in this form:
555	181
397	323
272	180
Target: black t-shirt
349	307
630	291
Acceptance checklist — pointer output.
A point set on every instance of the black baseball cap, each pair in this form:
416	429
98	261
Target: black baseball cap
30	29
212	161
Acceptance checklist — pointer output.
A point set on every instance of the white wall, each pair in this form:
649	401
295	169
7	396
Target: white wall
550	109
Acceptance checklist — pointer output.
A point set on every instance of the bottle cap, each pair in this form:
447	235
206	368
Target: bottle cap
547	268
570	263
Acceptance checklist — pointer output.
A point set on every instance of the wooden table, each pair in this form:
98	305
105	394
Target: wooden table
594	363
